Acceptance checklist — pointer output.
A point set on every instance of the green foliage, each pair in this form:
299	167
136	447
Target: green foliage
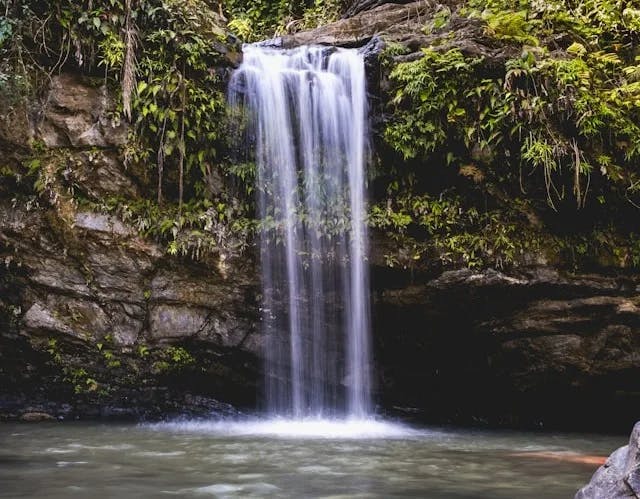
440	20
242	27
77	377
600	248
161	52
559	127
253	21
609	24
80	379
110	359
444	230
428	101
112	50
53	350
16	17
107	353
391	50
179	356
569	116
510	26
172	359
202	227
169	59
180	102
320	12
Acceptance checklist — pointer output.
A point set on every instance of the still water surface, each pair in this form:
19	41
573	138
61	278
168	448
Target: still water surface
361	460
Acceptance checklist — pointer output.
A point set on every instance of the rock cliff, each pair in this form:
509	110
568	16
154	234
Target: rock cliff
97	318
532	347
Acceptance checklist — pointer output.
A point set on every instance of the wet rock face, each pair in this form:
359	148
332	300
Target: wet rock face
619	476
103	288
77	114
359	6
532	347
97	320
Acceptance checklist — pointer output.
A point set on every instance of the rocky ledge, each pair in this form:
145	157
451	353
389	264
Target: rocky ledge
403	23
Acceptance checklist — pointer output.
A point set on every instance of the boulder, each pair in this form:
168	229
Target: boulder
619	476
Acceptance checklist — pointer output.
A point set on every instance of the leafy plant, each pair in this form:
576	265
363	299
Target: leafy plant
261	19
443	230
555	124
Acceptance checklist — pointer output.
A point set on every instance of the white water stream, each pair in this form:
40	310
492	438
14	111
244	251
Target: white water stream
304	112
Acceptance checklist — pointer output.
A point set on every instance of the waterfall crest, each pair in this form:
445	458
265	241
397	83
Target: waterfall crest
304	116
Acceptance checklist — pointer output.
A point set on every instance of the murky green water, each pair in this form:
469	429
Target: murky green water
69	460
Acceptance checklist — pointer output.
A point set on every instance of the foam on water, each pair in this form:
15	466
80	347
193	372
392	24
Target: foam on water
338	429
228	490
160	454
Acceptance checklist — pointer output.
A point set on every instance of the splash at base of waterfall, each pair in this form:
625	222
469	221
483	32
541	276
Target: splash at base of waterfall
296	428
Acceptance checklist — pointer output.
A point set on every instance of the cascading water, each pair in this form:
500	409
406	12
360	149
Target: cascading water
304	112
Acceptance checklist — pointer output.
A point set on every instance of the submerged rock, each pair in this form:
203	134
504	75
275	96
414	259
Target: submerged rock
36	417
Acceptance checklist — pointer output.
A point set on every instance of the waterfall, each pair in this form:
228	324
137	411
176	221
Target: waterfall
303	113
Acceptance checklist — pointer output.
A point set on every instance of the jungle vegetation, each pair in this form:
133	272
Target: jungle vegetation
479	163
